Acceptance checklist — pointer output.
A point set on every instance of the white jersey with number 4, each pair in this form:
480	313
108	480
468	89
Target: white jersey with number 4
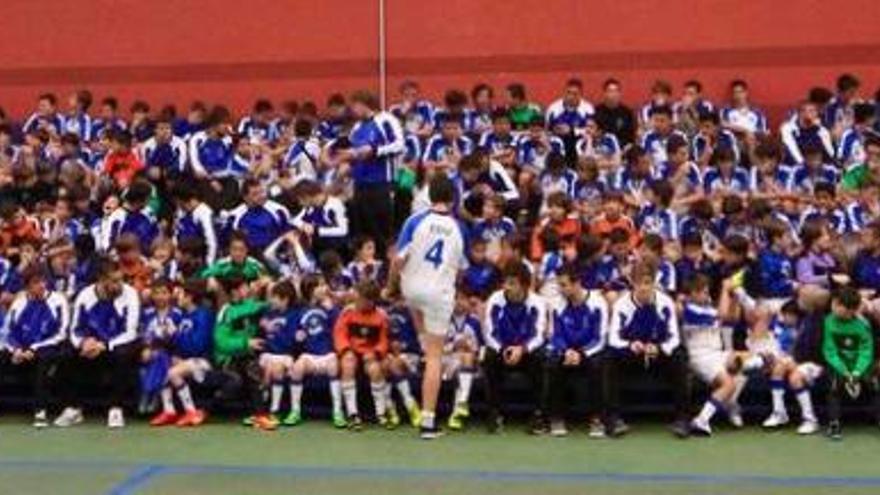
433	244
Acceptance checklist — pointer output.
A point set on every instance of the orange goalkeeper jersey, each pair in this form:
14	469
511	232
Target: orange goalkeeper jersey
363	332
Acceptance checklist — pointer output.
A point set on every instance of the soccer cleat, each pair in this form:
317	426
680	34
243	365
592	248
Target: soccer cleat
456	419
265	422
415	415
430	432
597	429
539	425
701	428
834	430
738	279
681	429
495	423
355	423
293	418
558	429
617	428
776	420
69	417
191	418
115	418
41	419
808	427
164	419
248	421
339	420
392	419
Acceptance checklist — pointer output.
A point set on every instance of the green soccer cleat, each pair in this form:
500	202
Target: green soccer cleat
392	419
458	417
339	420
415	416
248	421
292	419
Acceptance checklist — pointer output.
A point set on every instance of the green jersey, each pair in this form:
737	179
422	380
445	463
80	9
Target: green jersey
522	116
225	268
848	345
237	324
855	177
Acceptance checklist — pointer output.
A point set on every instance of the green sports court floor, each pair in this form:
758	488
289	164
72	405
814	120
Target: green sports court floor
315	459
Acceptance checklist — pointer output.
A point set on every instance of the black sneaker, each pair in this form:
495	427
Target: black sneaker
430	432
615	428
495	424
681	429
834	430
355	423
539	425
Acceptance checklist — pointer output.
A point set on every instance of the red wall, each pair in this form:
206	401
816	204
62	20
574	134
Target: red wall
232	51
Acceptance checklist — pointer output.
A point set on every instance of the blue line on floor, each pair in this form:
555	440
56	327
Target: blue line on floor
136	480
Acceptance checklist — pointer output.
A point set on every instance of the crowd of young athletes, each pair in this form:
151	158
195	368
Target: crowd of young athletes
686	240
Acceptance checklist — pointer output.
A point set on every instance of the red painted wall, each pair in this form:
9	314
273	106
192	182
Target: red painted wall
232	51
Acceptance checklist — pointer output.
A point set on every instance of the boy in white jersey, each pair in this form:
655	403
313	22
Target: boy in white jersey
709	360
430	253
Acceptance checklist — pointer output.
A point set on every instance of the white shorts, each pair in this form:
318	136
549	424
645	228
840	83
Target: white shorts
276	360
766	345
436	308
323	364
411	360
450	366
199	367
775	304
708	365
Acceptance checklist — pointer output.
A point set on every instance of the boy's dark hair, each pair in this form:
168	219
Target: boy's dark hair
693	83
633	154
773	230
408	84
702	209
819	96
731	205
308	285
609	82
675	143
360	241
366	98
50	97
692	238
723	154
710	116
863	112
759	208
559	199
196	288
661	86
589	245
739	83
519	271
111	102
70	138
810	232
31	272
450	118
537	120
653	243
696	283
555	162
455	98
329	261
736	244
140	106
263	105
479	88
791	308
812	149
611	195
184	192
310	109
138	192
664	191
120	136
823	187
233	283
660	110
575	83
302	128
198	106
768	148
161	283
105	267
441	189
369	290
645	268
238	236
550	240
569	271
500	113
848	297
84	99
847	82
517	90
336	100
284	290
308	189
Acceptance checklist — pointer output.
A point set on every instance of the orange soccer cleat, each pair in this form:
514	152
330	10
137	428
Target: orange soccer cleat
265	422
194	417
164	419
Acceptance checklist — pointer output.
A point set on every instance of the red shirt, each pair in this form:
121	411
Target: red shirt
122	166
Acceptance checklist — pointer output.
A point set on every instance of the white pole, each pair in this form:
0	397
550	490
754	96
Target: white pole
382	70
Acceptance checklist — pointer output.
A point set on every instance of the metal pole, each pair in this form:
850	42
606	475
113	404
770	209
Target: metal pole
382	69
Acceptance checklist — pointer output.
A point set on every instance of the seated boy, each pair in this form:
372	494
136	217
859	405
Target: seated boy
278	327
461	355
403	362
361	339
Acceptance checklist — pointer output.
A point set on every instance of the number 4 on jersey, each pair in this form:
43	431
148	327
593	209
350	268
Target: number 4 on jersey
435	254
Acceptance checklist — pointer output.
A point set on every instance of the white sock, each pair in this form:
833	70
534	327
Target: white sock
405	392
806	403
740	382
727	337
378	390
349	393
275	397
296	392
427	419
777	391
336	396
465	381
167	401
709	409
186	398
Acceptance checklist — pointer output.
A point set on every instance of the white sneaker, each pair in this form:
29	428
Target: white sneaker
115	418
808	427
41	419
775	420
701	427
69	417
558	429
597	429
